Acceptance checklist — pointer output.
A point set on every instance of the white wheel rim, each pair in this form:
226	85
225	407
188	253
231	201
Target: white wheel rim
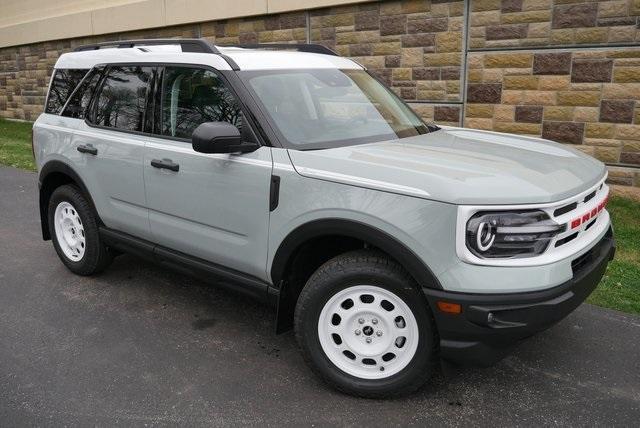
69	231
376	327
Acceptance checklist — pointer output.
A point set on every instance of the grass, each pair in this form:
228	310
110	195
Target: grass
619	289
15	144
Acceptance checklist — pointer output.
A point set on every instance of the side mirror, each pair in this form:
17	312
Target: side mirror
219	137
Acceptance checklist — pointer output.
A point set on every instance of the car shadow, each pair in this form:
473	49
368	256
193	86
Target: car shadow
209	309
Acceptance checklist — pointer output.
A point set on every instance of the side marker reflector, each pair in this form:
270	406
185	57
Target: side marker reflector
449	308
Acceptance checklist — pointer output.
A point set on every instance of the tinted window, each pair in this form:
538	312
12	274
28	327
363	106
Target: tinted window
122	102
80	99
193	96
63	84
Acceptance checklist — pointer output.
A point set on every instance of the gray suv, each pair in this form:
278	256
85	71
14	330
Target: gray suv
291	174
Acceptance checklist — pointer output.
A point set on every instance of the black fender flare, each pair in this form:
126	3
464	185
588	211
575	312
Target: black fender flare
353	229
334	226
49	168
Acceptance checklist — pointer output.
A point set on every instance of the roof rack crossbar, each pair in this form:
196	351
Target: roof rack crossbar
300	47
187	45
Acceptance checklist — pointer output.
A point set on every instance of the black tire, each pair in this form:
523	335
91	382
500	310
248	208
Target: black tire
364	267
96	254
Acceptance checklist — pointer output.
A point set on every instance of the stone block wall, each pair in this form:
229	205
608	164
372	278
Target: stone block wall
567	70
415	47
512	23
586	98
282	28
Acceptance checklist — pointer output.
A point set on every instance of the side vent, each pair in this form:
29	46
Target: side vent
274	192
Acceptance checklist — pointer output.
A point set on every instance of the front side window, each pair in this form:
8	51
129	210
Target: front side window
191	96
63	83
323	108
124	100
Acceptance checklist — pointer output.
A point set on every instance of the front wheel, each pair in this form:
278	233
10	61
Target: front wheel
364	327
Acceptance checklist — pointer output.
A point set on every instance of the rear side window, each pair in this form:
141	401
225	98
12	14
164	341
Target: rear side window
124	100
79	102
63	83
191	96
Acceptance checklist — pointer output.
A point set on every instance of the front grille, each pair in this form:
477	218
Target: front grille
563	241
567	208
589	196
577	208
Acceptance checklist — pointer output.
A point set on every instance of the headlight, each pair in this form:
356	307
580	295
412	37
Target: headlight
513	234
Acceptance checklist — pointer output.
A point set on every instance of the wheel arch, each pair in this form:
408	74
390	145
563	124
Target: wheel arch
54	174
352	232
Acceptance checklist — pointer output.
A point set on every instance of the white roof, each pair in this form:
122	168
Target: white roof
247	59
259	59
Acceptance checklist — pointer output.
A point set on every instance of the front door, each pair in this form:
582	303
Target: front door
211	206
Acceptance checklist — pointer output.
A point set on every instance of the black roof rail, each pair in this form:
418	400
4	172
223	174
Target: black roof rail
300	47
187	45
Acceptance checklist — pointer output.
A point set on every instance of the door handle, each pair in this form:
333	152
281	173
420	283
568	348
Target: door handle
87	148
165	164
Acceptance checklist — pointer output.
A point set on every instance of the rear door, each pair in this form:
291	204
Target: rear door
110	145
212	206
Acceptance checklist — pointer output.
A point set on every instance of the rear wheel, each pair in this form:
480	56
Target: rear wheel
74	230
364	327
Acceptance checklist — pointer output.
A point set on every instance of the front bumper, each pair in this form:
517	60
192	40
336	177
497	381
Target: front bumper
490	324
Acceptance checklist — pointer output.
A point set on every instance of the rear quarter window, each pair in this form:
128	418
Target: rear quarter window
62	85
78	104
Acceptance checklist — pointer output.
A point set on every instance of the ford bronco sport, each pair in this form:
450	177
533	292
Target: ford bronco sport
291	174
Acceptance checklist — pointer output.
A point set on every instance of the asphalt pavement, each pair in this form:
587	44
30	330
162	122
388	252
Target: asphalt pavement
141	345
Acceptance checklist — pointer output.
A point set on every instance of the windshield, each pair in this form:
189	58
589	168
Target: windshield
323	108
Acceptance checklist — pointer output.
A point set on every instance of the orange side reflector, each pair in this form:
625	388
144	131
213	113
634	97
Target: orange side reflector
450	308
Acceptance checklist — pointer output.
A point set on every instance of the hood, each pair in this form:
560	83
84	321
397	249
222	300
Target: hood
459	166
